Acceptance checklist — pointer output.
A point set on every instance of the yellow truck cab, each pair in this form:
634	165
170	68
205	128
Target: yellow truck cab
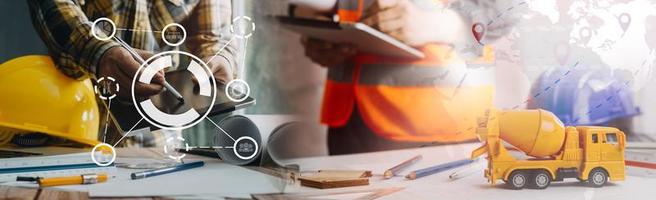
604	149
552	152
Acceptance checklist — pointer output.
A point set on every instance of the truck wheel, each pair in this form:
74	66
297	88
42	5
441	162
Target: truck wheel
517	180
540	180
597	178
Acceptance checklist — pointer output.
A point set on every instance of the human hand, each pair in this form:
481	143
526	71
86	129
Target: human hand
326	53
221	69
406	22
119	64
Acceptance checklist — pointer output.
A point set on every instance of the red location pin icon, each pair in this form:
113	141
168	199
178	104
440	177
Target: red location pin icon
561	51
585	35
625	21
478	30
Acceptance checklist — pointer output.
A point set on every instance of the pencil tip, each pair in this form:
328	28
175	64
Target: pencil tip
388	174
411	176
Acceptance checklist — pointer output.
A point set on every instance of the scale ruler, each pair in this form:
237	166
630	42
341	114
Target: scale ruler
39	161
7	177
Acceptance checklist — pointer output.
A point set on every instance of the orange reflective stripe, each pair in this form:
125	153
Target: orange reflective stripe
442	54
401	75
342	73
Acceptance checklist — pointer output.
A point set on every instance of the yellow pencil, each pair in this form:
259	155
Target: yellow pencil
73	180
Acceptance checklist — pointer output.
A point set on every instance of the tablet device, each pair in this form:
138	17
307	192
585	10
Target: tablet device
365	38
126	116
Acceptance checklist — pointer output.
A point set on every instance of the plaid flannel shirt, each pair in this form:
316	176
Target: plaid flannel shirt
65	28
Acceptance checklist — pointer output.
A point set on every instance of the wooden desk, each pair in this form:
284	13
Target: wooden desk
7	192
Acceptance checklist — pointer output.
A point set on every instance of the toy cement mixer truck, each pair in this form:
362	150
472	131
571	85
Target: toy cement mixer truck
551	151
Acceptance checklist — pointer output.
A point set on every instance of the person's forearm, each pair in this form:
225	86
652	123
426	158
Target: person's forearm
66	31
212	40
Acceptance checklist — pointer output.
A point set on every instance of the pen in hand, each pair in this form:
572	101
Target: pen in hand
142	61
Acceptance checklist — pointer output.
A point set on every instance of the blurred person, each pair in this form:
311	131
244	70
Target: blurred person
374	103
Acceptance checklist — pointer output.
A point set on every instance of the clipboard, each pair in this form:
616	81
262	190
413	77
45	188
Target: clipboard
365	38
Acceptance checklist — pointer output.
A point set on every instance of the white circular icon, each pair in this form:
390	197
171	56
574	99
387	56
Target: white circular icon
245	145
103	25
103	88
242	32
180	36
103	157
189	118
237	90
174	143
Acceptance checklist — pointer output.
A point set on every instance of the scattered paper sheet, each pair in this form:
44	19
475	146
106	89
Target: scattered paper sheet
215	178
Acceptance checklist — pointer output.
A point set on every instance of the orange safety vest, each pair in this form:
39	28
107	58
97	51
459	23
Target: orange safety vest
416	100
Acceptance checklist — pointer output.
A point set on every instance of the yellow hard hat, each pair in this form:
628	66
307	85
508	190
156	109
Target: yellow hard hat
36	97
